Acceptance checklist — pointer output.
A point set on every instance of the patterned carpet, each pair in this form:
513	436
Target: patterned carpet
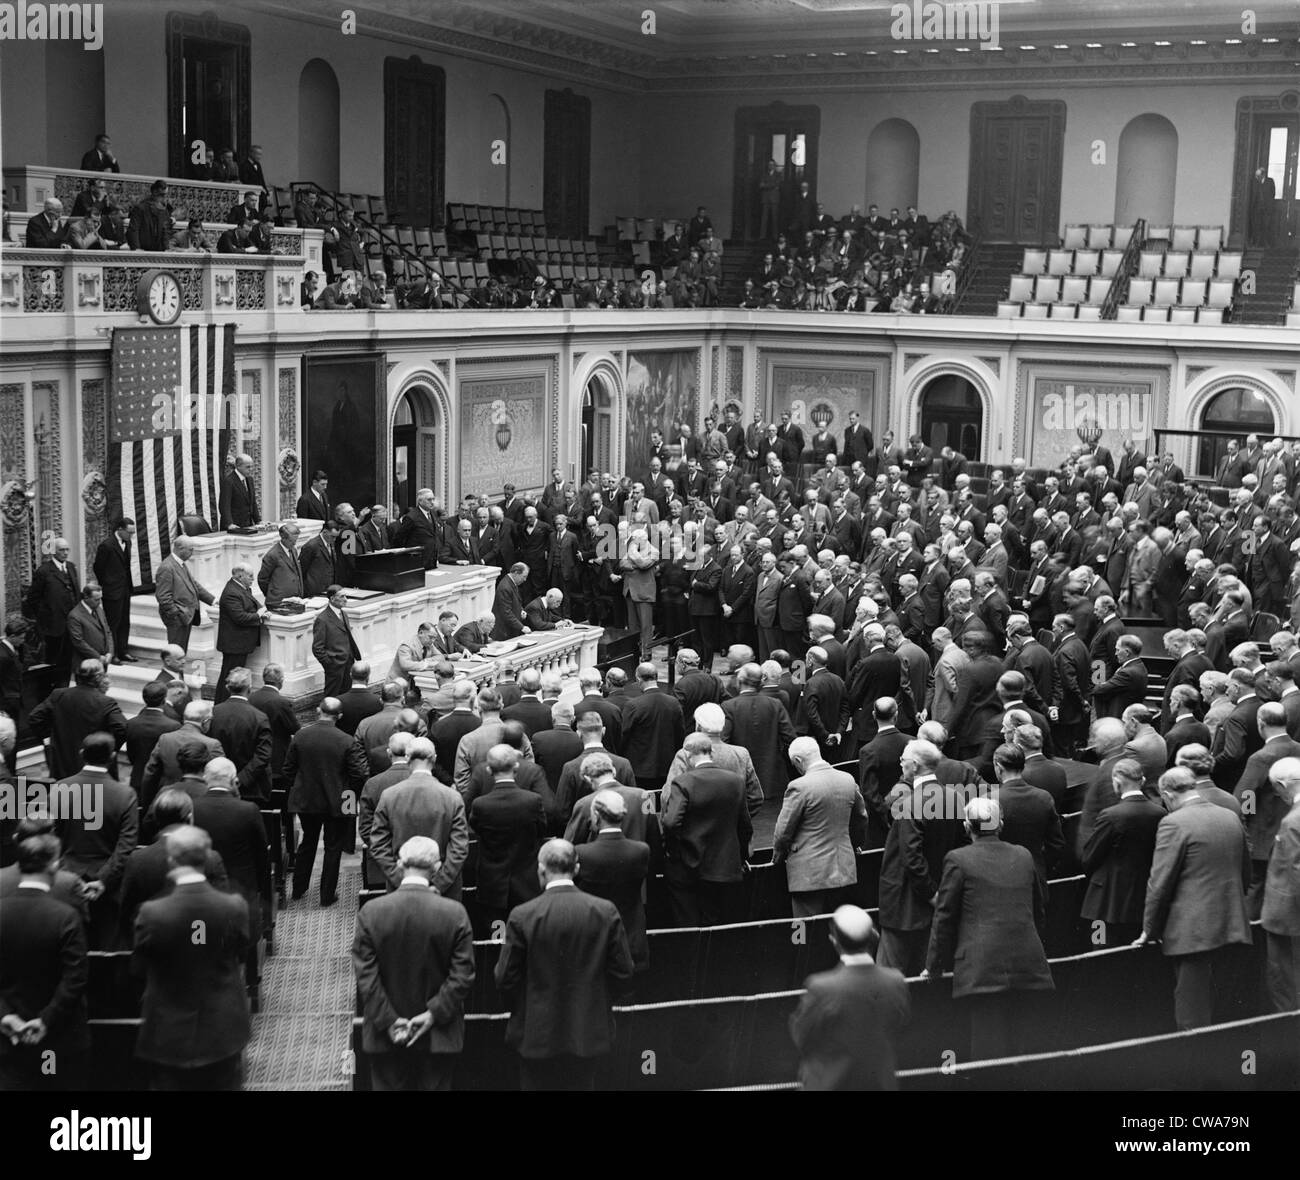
302	1037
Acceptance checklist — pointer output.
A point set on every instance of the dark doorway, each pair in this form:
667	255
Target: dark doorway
786	135
209	90
566	168
415	447
953	416
1268	137
415	105
1015	170
1234	413
597	428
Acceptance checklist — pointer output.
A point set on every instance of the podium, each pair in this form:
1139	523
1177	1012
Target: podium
389	570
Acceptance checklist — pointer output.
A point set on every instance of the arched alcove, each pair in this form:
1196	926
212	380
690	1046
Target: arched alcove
419	444
1146	166
318	124
1233	412
893	165
952	415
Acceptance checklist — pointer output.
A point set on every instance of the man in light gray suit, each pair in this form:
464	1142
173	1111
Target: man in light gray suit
421	806
823	820
1196	893
163	767
178	594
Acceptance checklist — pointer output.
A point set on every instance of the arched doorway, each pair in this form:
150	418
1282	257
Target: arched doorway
597	429
1232	413
1145	171
416	422
893	165
318	124
953	416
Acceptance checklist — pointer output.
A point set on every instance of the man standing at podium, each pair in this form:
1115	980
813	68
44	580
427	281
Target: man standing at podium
333	644
373	534
239	624
281	576
178	594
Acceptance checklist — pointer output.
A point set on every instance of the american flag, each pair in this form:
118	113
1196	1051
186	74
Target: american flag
167	432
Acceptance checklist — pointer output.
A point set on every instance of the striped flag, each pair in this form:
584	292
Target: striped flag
168	432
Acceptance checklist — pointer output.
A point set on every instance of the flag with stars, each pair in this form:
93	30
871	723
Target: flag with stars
168	432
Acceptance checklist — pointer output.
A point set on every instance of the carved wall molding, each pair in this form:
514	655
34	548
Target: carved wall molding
94	462
287	436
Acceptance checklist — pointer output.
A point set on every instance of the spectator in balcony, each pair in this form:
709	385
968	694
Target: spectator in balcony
710	243
305	212
192	237
374	291
710	279
769	194
674	249
83	233
700	226
343	241
309	289
804	212
237	240
262	230
686	284
100	158
1263	201
225	169
823	225
338	294
246	210
250	173
93	196
48	230
151	220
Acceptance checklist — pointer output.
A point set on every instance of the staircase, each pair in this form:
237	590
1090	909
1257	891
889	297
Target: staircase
740	261
994	264
1274	272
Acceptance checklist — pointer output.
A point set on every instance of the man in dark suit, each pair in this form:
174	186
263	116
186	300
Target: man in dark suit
877	674
1269	568
68	715
557	745
458	544
12	668
89	632
43	978
238	836
422	528
318	560
707	831
281	574
245	735
614	866
530	710
374	533
145	728
238	504
1237	736
333	643
1029	815
325	770
736	597
1117	860
988	919
850	1018
1195	903
54	592
477	633
112	569
239	624
49	230
360	701
1185	728
100	158
564	952
421	806
880	768
279	712
653	728
194	1017
314	504
1127	685
509	823
760	723
413	954
508	605
1262	808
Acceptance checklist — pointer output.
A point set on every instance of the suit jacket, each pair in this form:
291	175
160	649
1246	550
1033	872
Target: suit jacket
472	637
707	826
1235	740
421	806
195	1007
821	822
245	735
553	750
822	709
572	787
1281	912
51	596
991	907
69	714
1262	808
1196	893
413	952
613	866
112	568
358	703
89	632
163	765
317	561
41	235
510	825
309	507
374	787
332	642
325	770
508	609
925	829
761	725
454	550
1029	819
653	730
142	734
178	594
284	724
239	628
846	1027
1126	686
879	771
44	973
280	576
531	712
564	952
238	502
373	535
1117	859
239	837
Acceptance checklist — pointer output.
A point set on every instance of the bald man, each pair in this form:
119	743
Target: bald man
850	1017
238	502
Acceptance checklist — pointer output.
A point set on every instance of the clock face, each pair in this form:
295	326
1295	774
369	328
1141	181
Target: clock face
164	298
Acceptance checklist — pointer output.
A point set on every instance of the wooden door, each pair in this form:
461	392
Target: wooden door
1015	171
785	134
414	142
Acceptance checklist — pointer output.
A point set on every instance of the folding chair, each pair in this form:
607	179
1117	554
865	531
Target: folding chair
1035	262
1184	238
1075	237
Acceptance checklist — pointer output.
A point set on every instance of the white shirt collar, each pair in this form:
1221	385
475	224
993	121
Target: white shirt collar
40	886
189	877
560	882
415	881
861	959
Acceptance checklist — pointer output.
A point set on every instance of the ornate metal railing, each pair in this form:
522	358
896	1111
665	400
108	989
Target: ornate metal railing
1127	265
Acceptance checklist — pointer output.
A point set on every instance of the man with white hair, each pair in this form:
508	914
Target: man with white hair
235	826
413	955
239	624
238	503
614	866
823	820
988	922
710	719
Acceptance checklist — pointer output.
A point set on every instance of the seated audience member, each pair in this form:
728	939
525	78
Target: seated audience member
192	237
100	158
237	240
